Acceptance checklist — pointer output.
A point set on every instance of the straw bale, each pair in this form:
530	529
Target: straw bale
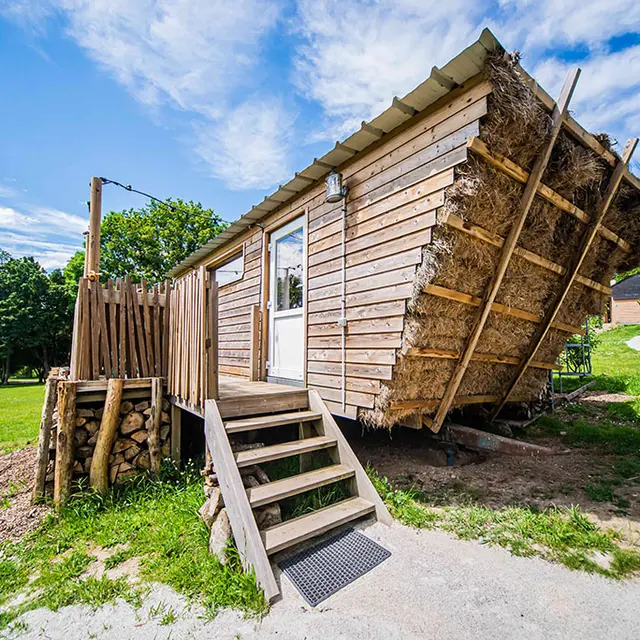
516	126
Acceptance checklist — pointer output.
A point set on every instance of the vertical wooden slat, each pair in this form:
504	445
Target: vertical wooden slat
176	434
131	332
155	421
254	353
104	336
137	316
156	333
44	438
212	351
124	361
95	332
84	353
63	474
147	327
113	328
166	316
202	373
76	338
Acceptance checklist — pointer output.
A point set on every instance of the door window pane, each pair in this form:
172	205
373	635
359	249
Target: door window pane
289	271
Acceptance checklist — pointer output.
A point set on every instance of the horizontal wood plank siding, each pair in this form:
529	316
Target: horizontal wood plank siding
395	191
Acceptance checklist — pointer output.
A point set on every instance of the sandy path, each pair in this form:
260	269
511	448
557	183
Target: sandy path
634	343
433	586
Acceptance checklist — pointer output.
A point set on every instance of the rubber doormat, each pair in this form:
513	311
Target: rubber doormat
325	568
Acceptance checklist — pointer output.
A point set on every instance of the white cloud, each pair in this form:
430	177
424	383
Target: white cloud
249	148
44	233
208	57
360	54
194	55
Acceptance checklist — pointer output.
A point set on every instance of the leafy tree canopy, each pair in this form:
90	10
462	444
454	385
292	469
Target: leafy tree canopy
35	316
148	242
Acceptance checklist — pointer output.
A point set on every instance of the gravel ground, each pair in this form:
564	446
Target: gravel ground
433	586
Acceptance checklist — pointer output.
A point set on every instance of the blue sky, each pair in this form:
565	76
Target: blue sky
220	101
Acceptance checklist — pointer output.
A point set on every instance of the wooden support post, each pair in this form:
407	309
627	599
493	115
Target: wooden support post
508	248
92	252
212	342
64	447
572	271
99	472
254	352
176	434
44	438
155	420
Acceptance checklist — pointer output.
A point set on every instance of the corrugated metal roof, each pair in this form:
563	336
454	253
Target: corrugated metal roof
627	289
457	71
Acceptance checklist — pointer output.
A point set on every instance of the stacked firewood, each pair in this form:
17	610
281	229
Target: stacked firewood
129	452
215	514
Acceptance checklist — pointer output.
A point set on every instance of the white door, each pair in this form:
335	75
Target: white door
286	301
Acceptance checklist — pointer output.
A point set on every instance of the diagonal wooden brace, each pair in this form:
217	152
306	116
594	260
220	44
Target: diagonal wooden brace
508	248
572	271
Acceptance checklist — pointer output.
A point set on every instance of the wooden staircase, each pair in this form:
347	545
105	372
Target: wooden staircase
317	431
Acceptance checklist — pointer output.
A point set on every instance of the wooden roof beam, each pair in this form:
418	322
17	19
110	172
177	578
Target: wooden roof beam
572	272
517	173
526	201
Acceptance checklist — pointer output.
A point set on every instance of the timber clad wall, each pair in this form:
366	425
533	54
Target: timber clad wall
395	189
625	311
236	300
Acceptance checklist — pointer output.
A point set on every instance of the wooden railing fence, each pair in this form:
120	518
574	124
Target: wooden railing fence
120	330
193	328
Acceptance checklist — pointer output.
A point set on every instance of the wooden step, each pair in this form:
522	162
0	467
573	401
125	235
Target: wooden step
314	524
274	420
262	403
281	489
284	450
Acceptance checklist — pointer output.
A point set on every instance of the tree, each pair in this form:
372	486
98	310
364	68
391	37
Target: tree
35	317
148	242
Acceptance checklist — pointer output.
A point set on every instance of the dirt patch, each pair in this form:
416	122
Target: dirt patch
17	515
412	459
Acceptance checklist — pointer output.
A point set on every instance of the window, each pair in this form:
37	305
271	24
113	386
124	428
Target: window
289	271
231	270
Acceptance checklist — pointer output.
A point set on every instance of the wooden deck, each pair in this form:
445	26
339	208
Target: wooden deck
236	393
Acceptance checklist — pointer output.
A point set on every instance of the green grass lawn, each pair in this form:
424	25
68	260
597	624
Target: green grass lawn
20	408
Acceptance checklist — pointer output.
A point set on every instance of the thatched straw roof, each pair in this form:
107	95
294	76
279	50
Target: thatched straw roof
516	126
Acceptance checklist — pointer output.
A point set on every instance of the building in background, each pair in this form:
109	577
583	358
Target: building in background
625	301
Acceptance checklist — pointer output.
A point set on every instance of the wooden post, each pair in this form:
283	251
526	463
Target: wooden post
507	250
92	253
99	472
176	434
44	438
155	419
572	271
212	342
254	353
64	447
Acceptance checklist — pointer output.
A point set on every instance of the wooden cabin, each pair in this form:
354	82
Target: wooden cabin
425	288
436	259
